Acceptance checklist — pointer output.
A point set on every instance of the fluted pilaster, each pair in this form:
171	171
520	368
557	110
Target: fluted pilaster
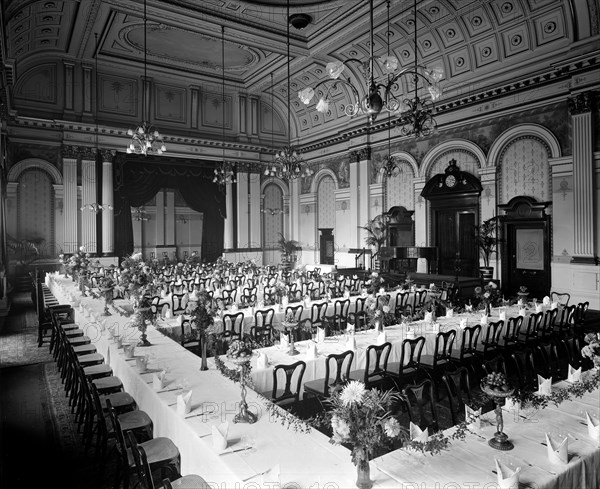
242	210
70	210
89	184
228	232
108	214
583	178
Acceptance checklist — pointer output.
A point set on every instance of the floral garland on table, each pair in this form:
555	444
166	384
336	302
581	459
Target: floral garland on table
285	418
235	374
578	389
592	349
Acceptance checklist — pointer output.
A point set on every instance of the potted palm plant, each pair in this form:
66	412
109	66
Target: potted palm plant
289	249
487	241
376	229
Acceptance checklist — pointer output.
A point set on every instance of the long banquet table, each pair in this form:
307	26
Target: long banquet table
308	460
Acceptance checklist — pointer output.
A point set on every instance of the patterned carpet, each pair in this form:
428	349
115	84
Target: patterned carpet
38	429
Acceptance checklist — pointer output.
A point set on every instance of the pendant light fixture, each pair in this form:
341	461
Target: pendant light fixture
145	139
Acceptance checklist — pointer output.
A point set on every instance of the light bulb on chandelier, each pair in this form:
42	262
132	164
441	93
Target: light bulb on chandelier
95	207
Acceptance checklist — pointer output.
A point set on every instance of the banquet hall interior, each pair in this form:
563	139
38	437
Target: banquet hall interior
426	171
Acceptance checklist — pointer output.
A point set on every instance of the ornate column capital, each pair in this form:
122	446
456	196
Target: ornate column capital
361	153
107	154
71	152
87	153
580	103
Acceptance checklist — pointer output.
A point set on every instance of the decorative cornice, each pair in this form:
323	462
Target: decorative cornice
580	103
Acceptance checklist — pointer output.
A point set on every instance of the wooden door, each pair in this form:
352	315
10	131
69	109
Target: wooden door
528	261
526	250
454	239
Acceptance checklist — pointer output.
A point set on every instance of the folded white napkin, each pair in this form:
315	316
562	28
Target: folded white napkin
449	313
351	343
159	380
141	363
557	452
347	294
484	319
129	350
593	427
473	416
431	285
417	434
507	478
428	317
522	312
463	323
311	352
521	302
168	314
381	290
511	405
284	340
538	308
219	436
502	315
554	305
544	386
306	302
271	475
410	333
320	335
546	301
574	374
184	403
381	338
350	328
262	360
469	308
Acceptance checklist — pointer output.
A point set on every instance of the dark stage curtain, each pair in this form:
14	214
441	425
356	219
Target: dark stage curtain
136	182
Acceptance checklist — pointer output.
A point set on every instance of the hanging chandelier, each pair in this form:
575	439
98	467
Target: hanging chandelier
415	115
288	163
224	174
145	139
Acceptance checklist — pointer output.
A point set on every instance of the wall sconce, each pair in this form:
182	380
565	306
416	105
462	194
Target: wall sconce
272	211
182	219
139	214
96	207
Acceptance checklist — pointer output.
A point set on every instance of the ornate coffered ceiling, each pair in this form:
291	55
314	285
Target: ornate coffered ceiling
478	43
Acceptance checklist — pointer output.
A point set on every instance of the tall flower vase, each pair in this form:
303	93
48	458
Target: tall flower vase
363	470
204	364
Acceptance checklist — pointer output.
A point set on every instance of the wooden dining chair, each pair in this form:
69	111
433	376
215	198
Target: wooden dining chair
468	345
189	481
420	399
490	345
232	326
361	321
458	390
442	355
561	298
401	303
143	467
324	387
291	377
406	370
296	311
339	319
375	373
511	332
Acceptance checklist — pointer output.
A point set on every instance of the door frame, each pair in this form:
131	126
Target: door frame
524	212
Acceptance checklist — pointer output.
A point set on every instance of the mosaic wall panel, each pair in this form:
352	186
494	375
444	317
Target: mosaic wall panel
272	221
465	160
400	190
36	209
524	170
326	203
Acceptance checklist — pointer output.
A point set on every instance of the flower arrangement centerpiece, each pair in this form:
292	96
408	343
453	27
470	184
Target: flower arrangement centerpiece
379	313
138	278
592	349
106	286
362	418
240	353
488	296
523	293
202	312
407	284
142	318
496	386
